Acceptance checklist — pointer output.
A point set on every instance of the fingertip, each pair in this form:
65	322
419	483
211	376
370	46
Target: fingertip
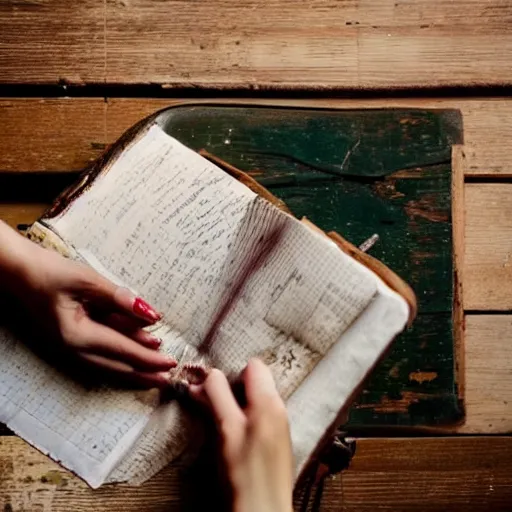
157	380
157	361
157	357
217	391
256	363
145	311
257	369
216	373
259	381
169	361
195	389
161	378
214	378
147	339
136	306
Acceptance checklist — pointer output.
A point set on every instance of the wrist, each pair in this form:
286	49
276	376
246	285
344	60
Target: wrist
256	500
16	260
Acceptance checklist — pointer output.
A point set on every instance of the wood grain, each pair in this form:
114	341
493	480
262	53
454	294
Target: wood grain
458	233
25	213
49	42
67	134
470	474
488	374
373	43
220	43
434	474
51	135
488	256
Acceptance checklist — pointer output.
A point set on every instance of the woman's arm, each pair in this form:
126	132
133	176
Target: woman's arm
84	314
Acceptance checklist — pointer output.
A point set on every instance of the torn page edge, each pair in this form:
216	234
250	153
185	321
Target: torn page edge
64	453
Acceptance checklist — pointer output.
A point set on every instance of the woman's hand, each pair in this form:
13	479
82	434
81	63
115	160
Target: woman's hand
255	441
83	313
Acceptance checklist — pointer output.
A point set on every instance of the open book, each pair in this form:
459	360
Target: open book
234	274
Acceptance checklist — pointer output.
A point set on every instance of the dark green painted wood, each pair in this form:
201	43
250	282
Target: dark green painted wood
360	172
396	393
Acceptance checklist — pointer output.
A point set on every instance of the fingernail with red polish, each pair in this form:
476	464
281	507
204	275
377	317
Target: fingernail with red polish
152	340
144	310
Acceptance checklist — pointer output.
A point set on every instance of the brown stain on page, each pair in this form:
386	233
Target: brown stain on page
263	250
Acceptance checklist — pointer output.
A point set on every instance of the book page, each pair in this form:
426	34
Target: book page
299	294
162	219
88	430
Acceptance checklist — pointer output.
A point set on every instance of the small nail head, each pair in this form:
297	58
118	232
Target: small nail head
368	244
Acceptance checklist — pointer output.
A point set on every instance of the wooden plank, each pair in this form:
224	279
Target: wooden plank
17	213
47	42
418	474
316	44
459	242
488	374
51	135
67	134
470	474
355	44
488	257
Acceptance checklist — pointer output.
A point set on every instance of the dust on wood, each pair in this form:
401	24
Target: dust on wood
52	477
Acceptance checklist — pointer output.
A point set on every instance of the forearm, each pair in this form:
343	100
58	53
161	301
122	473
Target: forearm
14	256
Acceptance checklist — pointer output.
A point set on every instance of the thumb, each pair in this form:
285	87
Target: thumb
97	288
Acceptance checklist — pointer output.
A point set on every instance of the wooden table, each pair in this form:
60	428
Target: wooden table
110	56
